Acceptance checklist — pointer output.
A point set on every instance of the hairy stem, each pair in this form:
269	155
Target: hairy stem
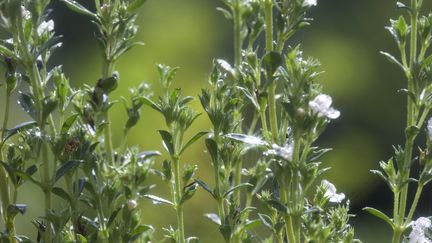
107	71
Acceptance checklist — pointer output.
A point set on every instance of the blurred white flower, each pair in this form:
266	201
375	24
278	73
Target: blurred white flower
429	128
331	192
419	228
131	204
310	3
45	26
321	105
285	152
25	13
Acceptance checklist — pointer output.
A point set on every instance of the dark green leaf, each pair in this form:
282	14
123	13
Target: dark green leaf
10	132
66	167
380	215
61	193
113	216
167	141
205	187
271	62
236	188
14	209
27	104
10	171
68	123
135	5
213	150
141	229
278	205
192	140
48	108
78	8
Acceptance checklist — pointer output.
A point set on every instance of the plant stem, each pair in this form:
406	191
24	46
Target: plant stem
237	115
272	88
107	72
414	204
411	121
178	204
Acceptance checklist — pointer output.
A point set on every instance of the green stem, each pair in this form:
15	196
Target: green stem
107	71
178	205
414	204
396	206
272	88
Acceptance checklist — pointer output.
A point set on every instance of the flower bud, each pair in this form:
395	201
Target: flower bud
132	204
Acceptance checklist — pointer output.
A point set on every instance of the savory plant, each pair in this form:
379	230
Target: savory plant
412	33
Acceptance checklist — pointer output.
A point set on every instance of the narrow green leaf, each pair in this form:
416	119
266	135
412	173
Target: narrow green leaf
68	123
271	62
192	140
66	167
213	150
167	141
113	216
25	125
205	187
61	193
252	224
10	171
380	215
78	8
158	200
236	188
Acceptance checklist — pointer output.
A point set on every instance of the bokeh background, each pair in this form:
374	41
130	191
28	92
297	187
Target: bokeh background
346	37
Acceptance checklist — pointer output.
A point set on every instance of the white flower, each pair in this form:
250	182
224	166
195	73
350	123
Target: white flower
25	13
45	26
429	128
310	3
131	204
418	233
285	152
331	192
321	105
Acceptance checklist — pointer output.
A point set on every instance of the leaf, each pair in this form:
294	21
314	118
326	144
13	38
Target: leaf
14	209
213	218
213	150
4	51
205	187
66	167
380	215
252	224
278	205
61	193
393	60
266	220
50	43
25	176
167	141
252	140
78	8
236	188
147	154
152	104
113	216
10	132
109	84
271	62
142	228
27	104
192	140
225	66
135	5
48	108
158	200
68	123
188	192
10	171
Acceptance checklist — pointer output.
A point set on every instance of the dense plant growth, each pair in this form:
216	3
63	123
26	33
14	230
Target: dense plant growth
266	112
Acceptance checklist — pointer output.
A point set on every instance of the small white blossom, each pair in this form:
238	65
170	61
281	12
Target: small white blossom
419	228
321	105
45	26
286	152
25	13
131	204
429	128
310	3
331	192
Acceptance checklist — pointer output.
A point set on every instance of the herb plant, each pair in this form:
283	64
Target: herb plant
413	36
266	113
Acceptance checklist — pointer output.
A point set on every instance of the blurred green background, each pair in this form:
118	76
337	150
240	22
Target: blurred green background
346	37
